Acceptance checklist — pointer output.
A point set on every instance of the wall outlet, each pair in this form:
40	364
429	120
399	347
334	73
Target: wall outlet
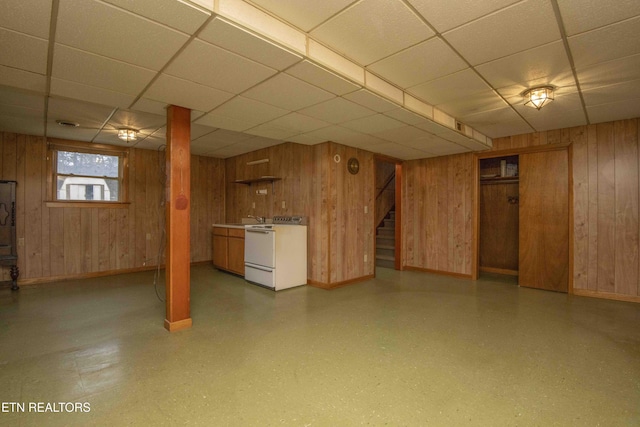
284	205
21	241
253	205
365	257
366	209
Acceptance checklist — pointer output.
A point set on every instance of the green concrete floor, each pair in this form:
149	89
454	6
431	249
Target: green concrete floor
404	349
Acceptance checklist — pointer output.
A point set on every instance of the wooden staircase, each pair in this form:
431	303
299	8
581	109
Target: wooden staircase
386	242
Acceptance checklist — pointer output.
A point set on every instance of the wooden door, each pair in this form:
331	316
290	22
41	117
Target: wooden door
236	255
220	258
544	220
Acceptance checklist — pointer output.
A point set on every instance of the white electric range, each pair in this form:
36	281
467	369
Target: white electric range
275	255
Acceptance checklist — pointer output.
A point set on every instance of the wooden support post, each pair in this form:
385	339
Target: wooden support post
178	278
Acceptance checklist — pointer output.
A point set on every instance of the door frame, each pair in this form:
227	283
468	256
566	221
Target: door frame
476	198
398	209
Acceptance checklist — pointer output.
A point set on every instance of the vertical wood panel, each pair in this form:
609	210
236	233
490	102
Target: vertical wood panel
32	192
606	207
626	207
592	243
581	210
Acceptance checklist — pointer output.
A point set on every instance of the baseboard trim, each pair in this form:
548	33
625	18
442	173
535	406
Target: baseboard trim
94	274
440	272
178	325
605	295
328	286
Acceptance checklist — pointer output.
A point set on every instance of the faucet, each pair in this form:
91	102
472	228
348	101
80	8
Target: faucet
260	219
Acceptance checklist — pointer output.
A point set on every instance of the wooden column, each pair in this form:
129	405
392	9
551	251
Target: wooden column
178	218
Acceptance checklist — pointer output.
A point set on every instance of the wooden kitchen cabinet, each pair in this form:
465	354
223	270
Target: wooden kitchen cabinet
228	249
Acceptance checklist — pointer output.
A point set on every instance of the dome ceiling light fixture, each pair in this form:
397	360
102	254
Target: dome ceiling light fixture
127	134
538	97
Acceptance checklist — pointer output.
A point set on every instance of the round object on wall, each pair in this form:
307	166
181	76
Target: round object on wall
336	158
353	165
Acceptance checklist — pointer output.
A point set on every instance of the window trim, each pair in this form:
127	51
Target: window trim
55	145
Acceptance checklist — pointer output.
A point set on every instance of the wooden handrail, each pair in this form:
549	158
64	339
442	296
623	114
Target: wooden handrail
386	184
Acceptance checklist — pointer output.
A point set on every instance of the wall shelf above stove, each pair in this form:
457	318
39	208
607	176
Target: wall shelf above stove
270	179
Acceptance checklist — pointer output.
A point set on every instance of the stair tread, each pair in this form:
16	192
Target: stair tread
385	247
387	257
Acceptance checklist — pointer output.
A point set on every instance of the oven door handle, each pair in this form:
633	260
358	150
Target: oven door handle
258	231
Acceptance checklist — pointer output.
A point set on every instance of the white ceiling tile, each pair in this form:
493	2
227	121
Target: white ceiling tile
87	115
562	119
418	64
213	66
628	109
95	70
304	14
24	52
285	91
151	106
361	140
222	137
399	151
299	123
22	79
240	114
26	16
372	101
10	97
506	32
331	133
436	145
498	123
269	130
605	44
473	103
177	14
540	63
373	29
337	110
112	32
579	16
200	131
151	142
23	112
231	37
406	116
401	134
445	15
78	91
321	77
175	91
24	125
306	139
74	134
373	124
613	93
449	88
255	19
323	55
610	72
232	150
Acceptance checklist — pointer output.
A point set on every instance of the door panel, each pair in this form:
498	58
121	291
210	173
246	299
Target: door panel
544	220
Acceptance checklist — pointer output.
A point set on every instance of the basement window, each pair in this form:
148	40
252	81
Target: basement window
85	174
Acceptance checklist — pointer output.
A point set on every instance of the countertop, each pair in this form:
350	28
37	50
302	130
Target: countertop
229	225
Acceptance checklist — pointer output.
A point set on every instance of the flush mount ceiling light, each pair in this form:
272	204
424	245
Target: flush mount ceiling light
538	97
127	134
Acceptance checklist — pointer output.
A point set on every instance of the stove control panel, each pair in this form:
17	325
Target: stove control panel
292	220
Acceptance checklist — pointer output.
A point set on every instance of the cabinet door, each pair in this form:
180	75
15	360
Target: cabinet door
220	258
544	221
236	255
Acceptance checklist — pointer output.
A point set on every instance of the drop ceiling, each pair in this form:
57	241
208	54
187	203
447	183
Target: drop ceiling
405	78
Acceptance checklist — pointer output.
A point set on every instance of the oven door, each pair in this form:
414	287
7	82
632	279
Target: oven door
260	247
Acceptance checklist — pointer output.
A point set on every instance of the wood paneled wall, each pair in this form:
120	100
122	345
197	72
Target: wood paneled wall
606	193
59	242
312	184
437	201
